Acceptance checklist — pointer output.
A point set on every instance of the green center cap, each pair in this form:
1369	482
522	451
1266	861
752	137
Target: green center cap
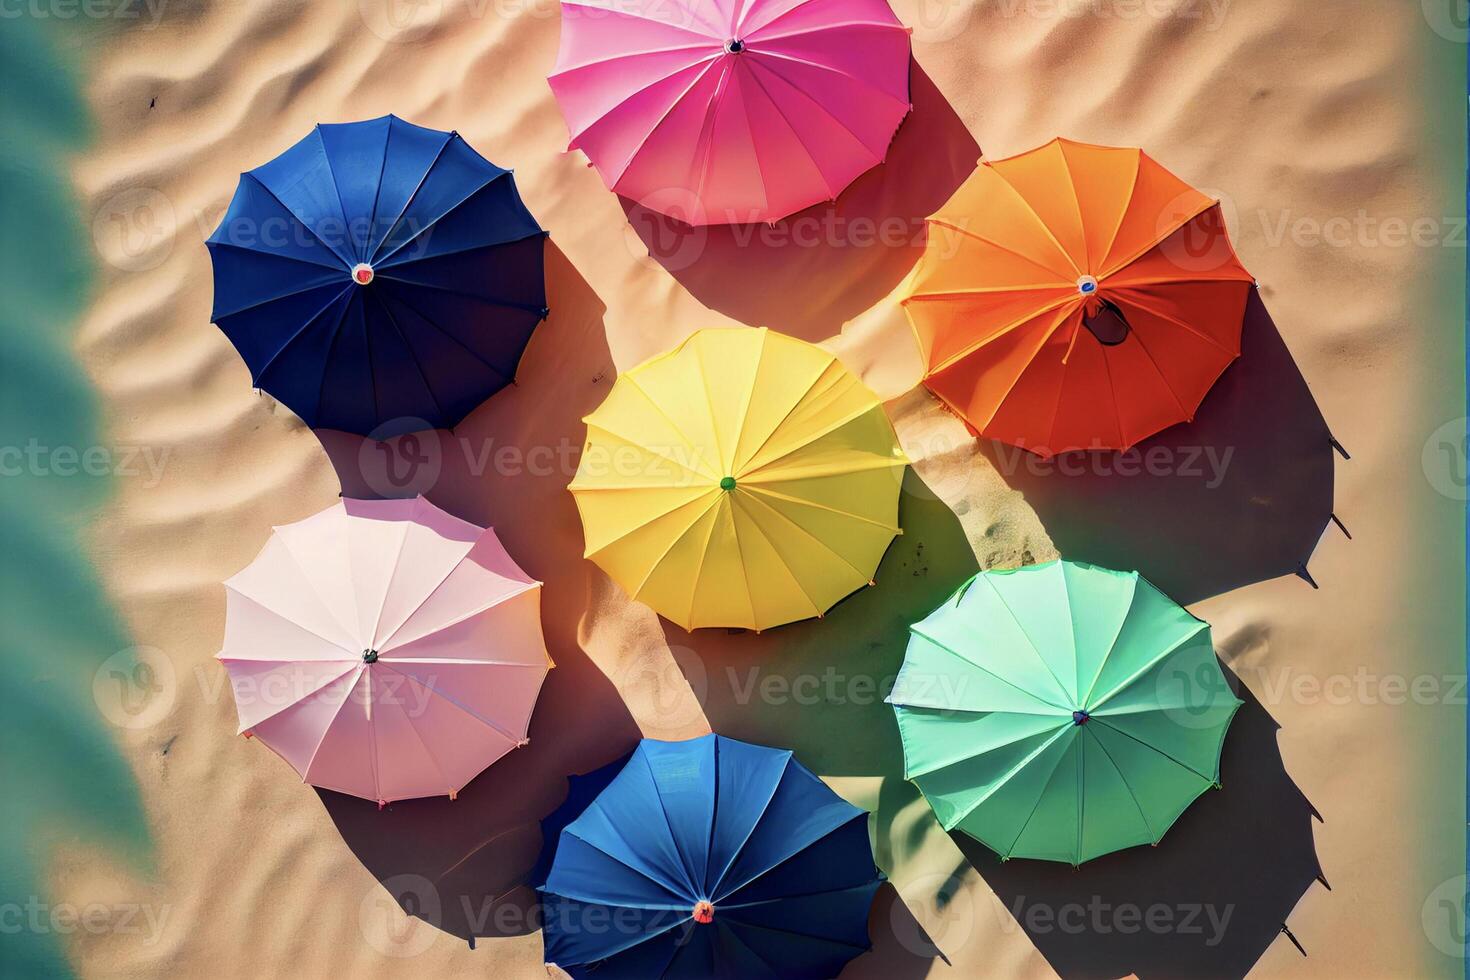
728	483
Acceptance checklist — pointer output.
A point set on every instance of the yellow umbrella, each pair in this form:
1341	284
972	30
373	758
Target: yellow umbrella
745	478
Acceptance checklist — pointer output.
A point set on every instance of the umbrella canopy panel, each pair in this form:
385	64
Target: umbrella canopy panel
385	649
726	112
745	479
1061	711
379	277
1076	297
710	858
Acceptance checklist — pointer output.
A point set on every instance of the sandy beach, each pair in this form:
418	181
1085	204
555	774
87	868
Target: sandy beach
1312	125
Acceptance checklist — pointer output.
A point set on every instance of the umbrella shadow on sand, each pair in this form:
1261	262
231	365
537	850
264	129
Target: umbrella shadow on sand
463	865
1207	901
817	688
1240	495
810	272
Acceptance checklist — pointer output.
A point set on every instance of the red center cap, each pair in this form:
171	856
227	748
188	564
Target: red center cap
704	913
362	273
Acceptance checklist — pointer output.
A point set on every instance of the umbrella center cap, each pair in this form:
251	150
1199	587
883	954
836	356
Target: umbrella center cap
362	273
1080	717
1087	285
369	656
704	913
728	483
734	46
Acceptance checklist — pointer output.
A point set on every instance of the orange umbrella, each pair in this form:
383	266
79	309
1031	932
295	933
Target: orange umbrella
1076	297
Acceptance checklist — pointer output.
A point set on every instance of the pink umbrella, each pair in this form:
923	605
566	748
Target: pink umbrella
727	111
385	649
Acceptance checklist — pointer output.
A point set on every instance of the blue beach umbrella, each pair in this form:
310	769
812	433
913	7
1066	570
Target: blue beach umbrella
379	277
710	858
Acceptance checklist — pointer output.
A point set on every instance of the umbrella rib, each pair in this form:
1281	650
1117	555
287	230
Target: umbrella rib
1014	325
1155	243
332	173
714	888
865	576
699	566
1077	202
701	159
373	251
955	653
321	387
1135	301
648	575
1040	222
1160	372
877	155
1115	283
482	246
462	345
1086	701
510	736
702	45
488	301
292	213
412	355
827	28
1112	395
1071	630
671	887
377	192
1081	796
448	786
745	575
299	332
1029	641
632	380
749	31
327	728
284	257
801	935
387	643
413	512
259	604
310	694
943	294
1124	780
668	825
367	344
1127	203
572	143
999	783
1154	748
1059	722
1045	337
418	233
945	223
845	420
801	399
764	52
760	357
794	134
618	11
1149	665
277	298
663	117
786	897
311	585
826	507
652	451
1055	766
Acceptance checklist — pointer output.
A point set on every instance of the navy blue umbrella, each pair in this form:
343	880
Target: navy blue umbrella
710	858
379	277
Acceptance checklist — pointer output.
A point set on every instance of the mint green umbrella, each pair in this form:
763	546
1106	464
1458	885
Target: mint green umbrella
1061	711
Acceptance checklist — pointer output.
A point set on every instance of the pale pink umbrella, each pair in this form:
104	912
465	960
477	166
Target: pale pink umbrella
727	111
385	649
